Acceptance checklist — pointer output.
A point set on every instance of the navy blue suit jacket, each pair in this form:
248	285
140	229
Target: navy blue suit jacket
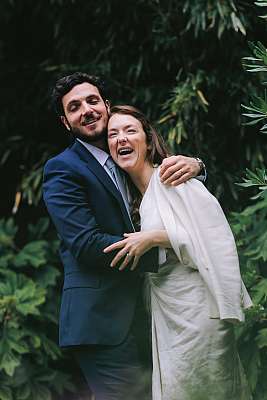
98	302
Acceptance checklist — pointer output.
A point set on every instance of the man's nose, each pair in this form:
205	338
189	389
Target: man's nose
86	108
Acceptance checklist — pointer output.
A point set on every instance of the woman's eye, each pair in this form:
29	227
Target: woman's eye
131	131
112	134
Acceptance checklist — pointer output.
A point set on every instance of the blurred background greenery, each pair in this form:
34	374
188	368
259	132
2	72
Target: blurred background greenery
181	62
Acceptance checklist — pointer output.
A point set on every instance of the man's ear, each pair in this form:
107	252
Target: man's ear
107	103
64	121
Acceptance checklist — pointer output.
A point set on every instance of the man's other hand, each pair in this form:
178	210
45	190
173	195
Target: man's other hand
178	169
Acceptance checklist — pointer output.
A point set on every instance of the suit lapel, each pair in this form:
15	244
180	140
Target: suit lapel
103	177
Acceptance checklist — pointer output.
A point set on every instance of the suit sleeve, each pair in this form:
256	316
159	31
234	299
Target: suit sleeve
67	204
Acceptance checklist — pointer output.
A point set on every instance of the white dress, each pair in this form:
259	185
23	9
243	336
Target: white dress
193	297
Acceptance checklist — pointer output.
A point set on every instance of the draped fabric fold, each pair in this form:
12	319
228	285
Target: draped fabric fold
201	237
194	297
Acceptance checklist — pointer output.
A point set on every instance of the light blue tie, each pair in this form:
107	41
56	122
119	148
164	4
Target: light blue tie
118	180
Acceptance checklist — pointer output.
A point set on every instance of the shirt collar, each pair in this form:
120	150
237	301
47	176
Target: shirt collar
99	154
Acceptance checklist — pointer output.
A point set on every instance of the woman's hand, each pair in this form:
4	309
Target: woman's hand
135	245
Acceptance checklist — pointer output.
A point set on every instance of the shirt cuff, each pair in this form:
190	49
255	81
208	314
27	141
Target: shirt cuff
203	173
203	176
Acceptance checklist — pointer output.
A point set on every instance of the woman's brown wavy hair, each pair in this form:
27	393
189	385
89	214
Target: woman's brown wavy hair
157	151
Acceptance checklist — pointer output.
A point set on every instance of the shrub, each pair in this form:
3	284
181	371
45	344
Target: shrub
29	355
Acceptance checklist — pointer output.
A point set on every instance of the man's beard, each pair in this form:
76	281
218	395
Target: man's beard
92	138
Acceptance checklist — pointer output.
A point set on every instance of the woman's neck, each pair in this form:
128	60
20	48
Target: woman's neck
141	178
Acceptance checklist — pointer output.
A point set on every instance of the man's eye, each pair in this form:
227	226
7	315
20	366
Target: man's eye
93	101
73	108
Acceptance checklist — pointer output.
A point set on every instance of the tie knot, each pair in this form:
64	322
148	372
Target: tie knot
110	163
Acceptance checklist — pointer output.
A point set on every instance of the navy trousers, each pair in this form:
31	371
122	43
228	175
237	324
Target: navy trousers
121	372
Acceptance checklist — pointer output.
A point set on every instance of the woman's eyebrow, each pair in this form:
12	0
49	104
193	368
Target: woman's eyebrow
129	126
124	127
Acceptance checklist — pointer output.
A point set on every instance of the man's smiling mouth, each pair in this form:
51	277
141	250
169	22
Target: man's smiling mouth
90	120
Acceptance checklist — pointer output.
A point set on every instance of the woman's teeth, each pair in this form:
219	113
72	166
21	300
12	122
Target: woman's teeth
125	151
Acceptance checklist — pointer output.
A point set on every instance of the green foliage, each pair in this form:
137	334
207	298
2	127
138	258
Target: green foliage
224	15
141	47
28	315
184	107
250	227
258	63
261	3
257	179
257	112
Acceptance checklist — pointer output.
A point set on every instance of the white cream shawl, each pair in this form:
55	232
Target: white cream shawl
201	238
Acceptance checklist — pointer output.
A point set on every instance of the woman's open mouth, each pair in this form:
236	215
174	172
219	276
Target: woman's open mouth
125	151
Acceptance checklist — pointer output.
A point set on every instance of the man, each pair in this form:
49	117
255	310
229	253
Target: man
89	207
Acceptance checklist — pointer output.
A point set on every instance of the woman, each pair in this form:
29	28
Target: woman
198	292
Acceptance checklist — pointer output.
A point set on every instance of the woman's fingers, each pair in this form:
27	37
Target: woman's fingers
126	261
114	246
135	262
124	252
118	257
129	249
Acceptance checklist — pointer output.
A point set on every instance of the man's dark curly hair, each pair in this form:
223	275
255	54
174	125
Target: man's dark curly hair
66	83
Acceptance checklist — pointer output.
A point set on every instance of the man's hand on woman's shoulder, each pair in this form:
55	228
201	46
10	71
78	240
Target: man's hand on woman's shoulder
175	170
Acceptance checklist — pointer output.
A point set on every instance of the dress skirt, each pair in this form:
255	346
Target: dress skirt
194	356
